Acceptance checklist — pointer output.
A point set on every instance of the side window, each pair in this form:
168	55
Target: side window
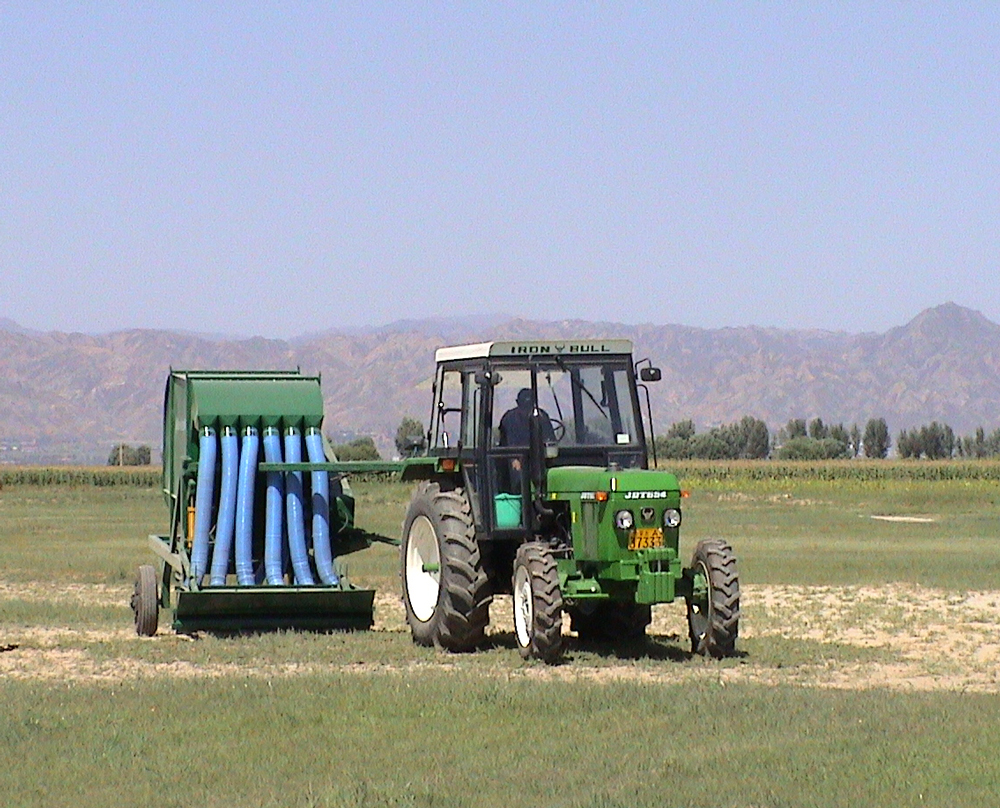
621	405
447	431
472	397
514	430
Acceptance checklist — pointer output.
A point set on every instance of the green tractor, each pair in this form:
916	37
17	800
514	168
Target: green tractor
534	481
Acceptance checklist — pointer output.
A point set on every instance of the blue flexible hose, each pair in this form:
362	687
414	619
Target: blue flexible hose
203	500
320	483
244	507
296	517
274	525
227	507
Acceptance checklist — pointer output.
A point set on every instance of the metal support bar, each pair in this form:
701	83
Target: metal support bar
176	561
345	467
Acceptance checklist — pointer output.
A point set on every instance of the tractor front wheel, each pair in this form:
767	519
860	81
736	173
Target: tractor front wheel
537	603
445	588
713	608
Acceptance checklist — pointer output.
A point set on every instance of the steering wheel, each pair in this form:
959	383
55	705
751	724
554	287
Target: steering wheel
558	429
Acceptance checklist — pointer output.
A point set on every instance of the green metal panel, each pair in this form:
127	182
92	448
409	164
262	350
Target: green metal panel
590	529
615	571
565	479
338	467
271	607
262	400
197	398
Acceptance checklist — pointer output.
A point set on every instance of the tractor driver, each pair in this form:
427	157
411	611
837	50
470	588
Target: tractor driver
515	430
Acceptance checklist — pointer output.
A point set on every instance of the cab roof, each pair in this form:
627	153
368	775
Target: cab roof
527	348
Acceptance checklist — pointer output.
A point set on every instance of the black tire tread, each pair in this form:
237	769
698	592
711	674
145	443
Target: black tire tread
547	603
724	600
463	610
145	602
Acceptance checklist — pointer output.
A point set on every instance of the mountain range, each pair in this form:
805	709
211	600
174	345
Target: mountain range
71	397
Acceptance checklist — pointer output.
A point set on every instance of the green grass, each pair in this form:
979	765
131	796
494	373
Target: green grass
818	532
369	719
804	530
434	739
379	508
77	532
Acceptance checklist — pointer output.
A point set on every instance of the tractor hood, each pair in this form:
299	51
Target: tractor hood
577	479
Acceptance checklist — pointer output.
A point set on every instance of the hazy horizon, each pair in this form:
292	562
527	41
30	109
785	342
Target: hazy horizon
458	322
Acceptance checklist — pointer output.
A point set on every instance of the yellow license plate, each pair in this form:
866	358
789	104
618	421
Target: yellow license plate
645	538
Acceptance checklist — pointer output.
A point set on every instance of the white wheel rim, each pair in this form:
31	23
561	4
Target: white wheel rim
704	616
422	587
523	607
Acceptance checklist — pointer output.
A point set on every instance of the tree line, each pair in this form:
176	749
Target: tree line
799	439
408	434
746	439
750	439
363	448
937	441
124	454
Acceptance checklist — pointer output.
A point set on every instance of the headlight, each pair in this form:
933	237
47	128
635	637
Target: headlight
671	517
624	520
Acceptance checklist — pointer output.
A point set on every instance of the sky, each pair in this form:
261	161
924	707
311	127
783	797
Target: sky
279	169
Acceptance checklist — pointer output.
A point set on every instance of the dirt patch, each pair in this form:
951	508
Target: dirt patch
79	594
910	520
927	640
774	499
389	612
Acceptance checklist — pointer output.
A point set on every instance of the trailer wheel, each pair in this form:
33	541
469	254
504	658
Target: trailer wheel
145	602
537	603
445	589
714	608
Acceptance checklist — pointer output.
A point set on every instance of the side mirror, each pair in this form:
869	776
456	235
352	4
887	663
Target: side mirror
650	374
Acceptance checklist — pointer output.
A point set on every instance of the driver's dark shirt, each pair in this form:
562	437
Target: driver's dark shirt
515	430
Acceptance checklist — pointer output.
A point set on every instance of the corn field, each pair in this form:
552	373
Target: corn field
99	476
861	471
728	471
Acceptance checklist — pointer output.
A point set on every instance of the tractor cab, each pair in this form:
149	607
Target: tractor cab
508	411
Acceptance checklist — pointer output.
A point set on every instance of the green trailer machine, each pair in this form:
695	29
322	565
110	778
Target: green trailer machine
260	513
535	481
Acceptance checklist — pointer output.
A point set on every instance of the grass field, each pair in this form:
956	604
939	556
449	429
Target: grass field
869	671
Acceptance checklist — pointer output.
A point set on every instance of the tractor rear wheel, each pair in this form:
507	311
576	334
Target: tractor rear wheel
145	603
537	603
445	589
714	608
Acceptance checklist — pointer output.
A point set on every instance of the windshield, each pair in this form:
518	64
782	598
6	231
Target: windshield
585	405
